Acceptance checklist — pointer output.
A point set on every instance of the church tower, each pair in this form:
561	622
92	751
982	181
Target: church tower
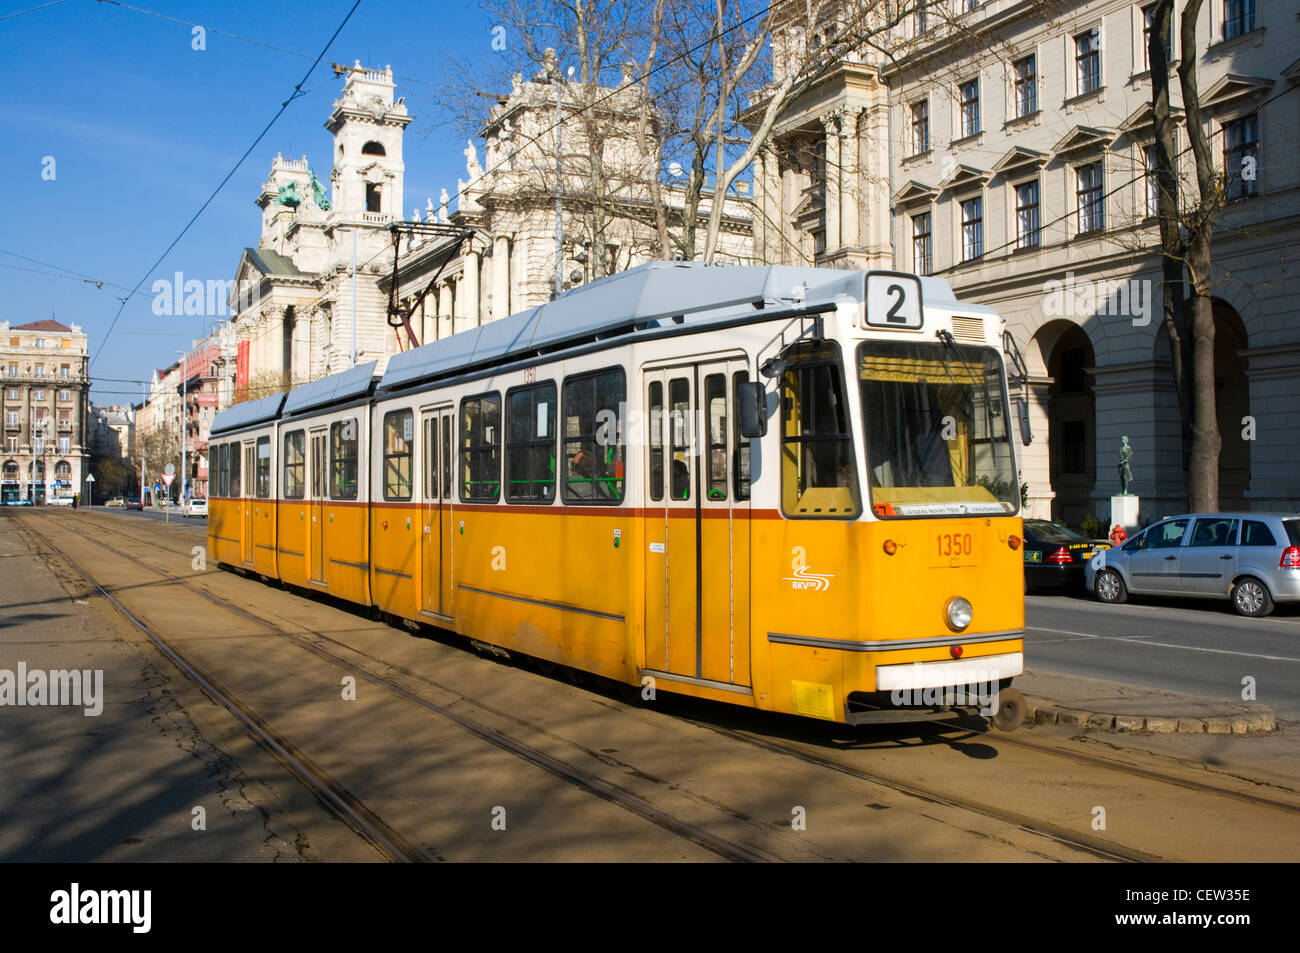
367	127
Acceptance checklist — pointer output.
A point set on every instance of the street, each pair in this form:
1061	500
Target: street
1197	647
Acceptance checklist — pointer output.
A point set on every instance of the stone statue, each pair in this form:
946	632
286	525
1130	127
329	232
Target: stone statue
471	161
443	199
1125	466
288	195
318	194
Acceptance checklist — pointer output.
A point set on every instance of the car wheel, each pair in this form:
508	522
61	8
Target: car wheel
1250	598
1109	587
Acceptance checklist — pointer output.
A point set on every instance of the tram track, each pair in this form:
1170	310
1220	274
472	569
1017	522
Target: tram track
337	798
1101	848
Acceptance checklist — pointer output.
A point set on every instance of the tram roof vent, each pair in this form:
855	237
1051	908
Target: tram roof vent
968	329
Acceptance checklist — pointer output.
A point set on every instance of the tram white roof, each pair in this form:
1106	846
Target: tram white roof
345	385
247	414
638	299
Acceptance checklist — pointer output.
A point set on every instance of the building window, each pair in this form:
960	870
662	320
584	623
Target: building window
40	342
1090	198
593	447
922	262
39	370
12	393
236	451
740	467
65	395
38	445
38	394
373	197
715	422
65	444
13	370
1028	222
1152	182
972	229
480	448
530	444
1238	18
1087	61
920	127
970	6
970	108
11	418
1241	155
11	444
1026	86
1148	27
399	439
65	370
919	19
295	465
343	459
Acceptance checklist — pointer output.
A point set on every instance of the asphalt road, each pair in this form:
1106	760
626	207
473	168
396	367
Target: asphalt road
1193	646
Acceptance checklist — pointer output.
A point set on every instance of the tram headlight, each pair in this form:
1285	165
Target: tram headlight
958	613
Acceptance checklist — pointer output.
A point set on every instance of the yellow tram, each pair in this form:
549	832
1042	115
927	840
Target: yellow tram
788	488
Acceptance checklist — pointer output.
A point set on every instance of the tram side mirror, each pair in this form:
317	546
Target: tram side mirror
752	412
1022	411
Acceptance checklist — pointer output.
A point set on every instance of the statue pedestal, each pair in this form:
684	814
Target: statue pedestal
1124	511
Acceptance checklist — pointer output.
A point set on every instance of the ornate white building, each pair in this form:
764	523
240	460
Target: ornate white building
1005	145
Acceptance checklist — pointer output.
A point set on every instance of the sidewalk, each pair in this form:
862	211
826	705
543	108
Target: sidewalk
1092	703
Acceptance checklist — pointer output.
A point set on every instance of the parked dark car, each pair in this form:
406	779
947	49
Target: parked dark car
133	503
1055	556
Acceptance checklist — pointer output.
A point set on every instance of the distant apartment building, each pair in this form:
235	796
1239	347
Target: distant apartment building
45	405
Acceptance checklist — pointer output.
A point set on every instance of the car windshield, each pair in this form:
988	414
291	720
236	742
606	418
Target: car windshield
1052	532
937	441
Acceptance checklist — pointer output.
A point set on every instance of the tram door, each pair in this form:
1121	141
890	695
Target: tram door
250	476
435	513
697	530
317	484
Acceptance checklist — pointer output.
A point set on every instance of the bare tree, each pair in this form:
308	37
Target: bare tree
1186	232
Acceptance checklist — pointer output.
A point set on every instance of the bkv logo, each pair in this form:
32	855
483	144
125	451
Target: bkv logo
805	578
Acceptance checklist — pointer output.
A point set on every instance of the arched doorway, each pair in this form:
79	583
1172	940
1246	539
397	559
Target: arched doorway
1232	398
1071	410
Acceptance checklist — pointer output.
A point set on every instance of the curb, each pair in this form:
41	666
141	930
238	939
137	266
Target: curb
1040	711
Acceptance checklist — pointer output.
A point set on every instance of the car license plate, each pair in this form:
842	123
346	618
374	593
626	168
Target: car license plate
1033	556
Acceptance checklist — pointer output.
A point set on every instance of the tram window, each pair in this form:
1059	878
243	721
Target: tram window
343	459
593	446
222	457
679	443
430	468
656	440
263	467
236	452
530	444
740	466
818	474
715	406
295	465
446	457
480	448
398	454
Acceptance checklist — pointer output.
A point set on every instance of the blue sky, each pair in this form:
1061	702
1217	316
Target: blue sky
142	128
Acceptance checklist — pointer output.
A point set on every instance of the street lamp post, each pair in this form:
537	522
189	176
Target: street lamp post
184	424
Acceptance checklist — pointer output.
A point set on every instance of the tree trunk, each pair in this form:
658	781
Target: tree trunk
1171	243
1203	472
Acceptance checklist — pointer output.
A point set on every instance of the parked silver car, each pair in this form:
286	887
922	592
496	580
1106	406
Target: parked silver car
1251	558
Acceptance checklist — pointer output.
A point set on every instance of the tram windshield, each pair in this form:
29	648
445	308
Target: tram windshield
937	440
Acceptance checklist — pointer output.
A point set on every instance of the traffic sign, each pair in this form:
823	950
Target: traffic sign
90	478
168	477
170	469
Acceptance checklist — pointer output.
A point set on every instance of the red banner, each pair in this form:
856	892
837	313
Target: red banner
241	371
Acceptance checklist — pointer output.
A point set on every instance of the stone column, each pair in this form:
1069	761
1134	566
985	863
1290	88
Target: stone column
467	297
1274	453
444	304
500	277
849	166
831	184
429	321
